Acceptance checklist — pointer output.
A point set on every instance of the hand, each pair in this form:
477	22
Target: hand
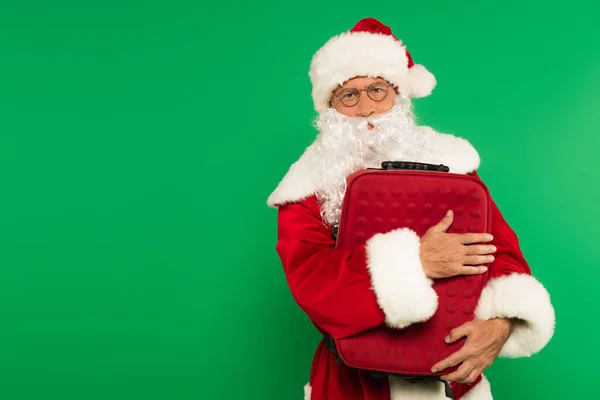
448	254
484	342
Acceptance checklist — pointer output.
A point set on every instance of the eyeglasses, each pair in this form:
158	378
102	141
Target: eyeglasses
376	91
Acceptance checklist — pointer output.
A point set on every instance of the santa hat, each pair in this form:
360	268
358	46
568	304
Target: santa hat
369	49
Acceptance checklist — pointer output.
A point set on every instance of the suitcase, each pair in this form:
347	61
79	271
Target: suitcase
417	196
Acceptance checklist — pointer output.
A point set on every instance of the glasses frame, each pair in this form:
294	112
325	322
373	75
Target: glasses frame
387	85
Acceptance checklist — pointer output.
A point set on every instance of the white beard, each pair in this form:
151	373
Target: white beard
345	145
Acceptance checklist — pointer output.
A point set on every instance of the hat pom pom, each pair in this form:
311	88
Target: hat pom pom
422	82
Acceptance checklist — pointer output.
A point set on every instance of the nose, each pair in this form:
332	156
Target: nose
366	107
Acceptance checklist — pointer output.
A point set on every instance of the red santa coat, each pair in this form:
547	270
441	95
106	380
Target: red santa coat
345	292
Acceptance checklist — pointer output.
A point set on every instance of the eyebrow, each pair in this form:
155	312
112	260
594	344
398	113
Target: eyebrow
352	87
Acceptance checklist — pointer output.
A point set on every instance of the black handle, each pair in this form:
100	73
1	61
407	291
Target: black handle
390	165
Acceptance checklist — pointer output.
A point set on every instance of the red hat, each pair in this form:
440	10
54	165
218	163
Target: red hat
368	49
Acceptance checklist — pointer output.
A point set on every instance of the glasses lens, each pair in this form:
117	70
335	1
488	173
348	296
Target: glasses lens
377	91
349	97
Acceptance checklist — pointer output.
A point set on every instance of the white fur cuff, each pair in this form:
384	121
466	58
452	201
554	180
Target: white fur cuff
519	296
403	291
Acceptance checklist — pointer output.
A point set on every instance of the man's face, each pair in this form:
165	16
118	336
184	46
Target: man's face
363	97
362	133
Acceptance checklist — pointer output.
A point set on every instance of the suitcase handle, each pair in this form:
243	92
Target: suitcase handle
391	165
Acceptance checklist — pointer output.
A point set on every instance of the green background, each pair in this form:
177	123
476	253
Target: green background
139	141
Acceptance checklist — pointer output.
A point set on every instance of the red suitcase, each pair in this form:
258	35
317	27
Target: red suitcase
417	196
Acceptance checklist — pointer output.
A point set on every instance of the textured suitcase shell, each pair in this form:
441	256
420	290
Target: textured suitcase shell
378	201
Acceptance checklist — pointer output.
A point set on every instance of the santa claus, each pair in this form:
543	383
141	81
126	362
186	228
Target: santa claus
363	82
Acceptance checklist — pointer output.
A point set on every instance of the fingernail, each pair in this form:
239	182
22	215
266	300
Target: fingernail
491	258
494	248
433	370
483	269
449	213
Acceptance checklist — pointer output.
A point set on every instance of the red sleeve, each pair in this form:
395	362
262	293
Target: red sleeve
509	258
344	291
513	292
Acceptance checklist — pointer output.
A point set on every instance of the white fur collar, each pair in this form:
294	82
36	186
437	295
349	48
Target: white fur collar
440	148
